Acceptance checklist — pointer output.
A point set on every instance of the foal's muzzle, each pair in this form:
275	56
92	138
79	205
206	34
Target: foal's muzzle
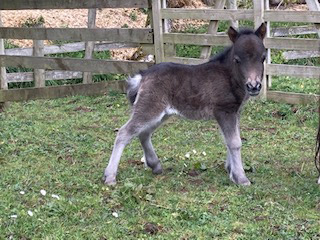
253	90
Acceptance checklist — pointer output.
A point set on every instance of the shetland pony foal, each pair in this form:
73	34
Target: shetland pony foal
213	90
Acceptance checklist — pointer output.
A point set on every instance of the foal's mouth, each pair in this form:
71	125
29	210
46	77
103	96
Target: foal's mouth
253	94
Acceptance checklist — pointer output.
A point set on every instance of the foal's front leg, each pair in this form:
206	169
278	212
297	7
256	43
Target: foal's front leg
229	124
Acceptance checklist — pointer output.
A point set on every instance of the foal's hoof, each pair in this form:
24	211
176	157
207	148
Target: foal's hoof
157	169
109	180
244	181
247	183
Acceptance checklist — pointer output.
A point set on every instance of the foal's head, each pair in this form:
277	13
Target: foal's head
248	55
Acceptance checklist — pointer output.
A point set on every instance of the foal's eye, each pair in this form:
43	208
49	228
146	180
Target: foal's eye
236	59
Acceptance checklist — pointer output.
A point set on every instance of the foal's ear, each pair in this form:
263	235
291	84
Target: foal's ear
261	31
233	34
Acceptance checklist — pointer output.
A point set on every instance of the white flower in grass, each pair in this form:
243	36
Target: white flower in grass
14	216
43	192
204	153
30	213
187	155
55	196
115	214
22	192
194	151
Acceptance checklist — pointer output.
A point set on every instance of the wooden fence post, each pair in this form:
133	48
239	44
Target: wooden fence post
212	29
258	14
87	76
269	77
38	51
3	73
169	48
314	5
232	4
157	25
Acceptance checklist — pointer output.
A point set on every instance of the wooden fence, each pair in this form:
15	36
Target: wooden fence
156	40
66	68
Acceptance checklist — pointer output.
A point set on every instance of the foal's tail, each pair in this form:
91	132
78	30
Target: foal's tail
133	87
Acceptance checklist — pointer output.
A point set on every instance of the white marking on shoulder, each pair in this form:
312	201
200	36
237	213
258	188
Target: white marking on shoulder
171	111
135	80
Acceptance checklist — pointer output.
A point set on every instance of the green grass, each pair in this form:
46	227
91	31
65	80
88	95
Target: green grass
296	85
63	146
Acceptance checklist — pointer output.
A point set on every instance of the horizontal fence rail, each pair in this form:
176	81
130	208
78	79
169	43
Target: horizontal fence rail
79	46
79	34
293	44
293	70
48	75
298	30
292	16
61	91
300	54
241	14
71	4
207	14
209	39
197	39
74	64
292	98
183	60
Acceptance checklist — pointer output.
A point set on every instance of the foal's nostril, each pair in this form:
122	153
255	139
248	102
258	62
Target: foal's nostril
252	88
249	86
258	87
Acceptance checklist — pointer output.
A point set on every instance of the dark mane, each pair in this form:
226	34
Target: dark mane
221	57
245	31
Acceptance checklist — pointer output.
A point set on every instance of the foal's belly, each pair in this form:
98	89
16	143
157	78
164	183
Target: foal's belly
201	113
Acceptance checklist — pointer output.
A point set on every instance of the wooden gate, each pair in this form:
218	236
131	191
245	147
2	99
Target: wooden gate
123	36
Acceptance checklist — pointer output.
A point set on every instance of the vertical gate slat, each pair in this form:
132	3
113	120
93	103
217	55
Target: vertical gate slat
269	77
314	5
157	25
3	77
258	10
232	4
38	51
212	29
92	13
170	48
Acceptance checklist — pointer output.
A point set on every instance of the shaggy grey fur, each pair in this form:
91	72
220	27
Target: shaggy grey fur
213	90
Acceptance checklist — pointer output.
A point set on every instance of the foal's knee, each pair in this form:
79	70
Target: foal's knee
234	143
124	135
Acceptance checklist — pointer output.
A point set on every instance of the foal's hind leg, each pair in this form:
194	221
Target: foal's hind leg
138	124
124	136
229	124
152	160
